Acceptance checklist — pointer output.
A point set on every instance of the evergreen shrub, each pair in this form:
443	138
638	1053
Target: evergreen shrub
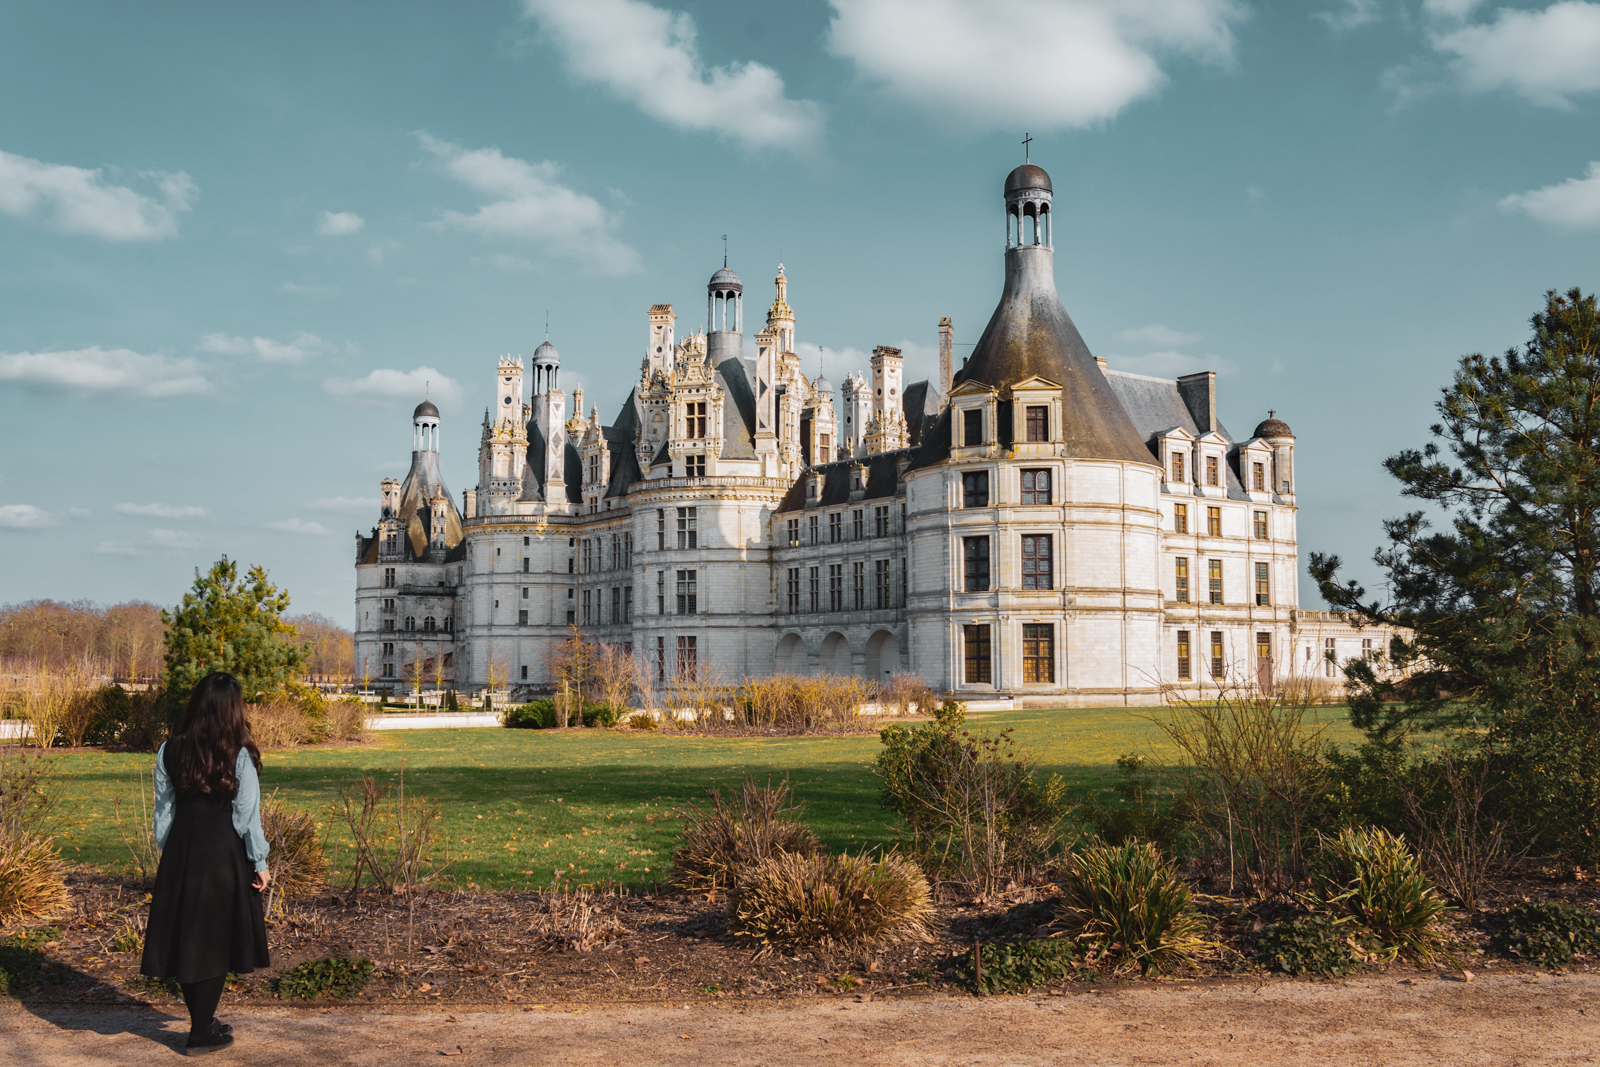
794	900
331	978
1372	876
1131	907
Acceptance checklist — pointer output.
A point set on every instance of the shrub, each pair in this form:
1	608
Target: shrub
641	720
801	704
601	715
975	813
125	719
1309	944
534	715
332	978
299	867
719	842
279	724
907	694
33	880
1254	781
399	840
346	720
1131	907
1016	967
1549	932
577	920
831	901
1371	876
1139	815
23	965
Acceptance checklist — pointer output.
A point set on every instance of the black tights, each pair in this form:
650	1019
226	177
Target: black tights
202	999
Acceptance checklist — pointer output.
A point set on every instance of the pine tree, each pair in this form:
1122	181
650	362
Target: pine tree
224	624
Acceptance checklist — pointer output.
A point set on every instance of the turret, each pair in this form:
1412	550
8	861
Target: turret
887	431
724	316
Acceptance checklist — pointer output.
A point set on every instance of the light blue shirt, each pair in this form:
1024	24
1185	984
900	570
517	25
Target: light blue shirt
246	806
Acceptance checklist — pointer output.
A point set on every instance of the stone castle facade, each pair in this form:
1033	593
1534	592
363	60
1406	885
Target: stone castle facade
1033	524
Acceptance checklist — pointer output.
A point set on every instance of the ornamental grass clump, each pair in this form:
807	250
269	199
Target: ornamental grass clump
830	901
1372	876
721	841
33	882
1129	906
299	865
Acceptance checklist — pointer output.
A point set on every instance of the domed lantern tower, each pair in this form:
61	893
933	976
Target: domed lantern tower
724	316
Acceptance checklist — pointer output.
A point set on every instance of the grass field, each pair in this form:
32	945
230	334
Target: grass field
596	805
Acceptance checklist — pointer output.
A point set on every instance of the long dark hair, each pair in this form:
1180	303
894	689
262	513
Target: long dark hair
214	730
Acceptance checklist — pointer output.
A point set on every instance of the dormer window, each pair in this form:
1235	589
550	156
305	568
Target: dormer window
1258	477
1177	466
1038	423
1213	471
972	427
823	445
695	419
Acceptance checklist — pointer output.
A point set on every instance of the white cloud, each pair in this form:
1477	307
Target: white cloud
357	504
1575	202
647	56
116	371
1038	64
339	223
75	200
316	292
1170	364
154	541
384	385
24	517
1352	14
163	511
264	348
298	526
1545	56
1157	335
80	513
531	205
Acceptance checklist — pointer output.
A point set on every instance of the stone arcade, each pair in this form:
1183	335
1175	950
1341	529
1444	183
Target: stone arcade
1034	524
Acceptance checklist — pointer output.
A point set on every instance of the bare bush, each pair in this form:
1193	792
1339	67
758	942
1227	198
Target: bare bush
279	724
907	694
135	825
1307	689
577	920
400	843
345	720
806	704
299	865
1253	776
1455	840
721	841
32	876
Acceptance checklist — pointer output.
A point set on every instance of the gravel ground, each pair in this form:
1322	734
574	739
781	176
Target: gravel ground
1524	1018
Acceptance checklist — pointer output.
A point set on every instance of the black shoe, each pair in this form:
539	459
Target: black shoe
215	1041
220	1027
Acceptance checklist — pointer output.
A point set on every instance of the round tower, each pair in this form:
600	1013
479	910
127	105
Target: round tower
724	315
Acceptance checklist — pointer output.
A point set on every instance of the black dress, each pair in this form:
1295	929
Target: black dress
205	916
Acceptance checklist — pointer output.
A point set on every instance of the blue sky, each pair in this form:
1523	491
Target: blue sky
235	240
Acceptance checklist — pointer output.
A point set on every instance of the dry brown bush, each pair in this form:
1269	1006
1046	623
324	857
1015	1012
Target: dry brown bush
299	865
1304	689
577	920
32	877
907	694
58	704
279	724
346	720
830	901
719	842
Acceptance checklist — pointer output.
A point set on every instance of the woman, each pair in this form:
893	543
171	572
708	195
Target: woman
205	913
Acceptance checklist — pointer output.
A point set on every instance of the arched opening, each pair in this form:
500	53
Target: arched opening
791	658
883	655
836	654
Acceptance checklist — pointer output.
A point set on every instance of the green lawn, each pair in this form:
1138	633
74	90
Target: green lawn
599	804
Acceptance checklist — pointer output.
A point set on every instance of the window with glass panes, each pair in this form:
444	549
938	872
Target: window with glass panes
1180	579
836	527
1261	526
688	658
1177	466
661	592
1180	518
1214	580
858	524
588	619
1217	666
881	579
858	585
1038	652
794	590
1213	522
815	588
1183	655
1038	423
975	556
813	527
694	466
688	534
661	659
1263	586
979	666
972	427
975	489
1037	562
1035	487
1258	477
1330	662
823	448
661	530
791	532
880	521
694	416
1213	470
688	594
616	603
836	587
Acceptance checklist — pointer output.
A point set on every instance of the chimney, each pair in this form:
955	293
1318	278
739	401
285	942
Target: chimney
1199	392
947	344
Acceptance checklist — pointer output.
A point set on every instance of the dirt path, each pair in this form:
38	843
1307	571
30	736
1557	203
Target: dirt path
1499	1020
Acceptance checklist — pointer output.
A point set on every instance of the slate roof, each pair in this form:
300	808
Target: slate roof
920	402
738	408
1156	405
883	480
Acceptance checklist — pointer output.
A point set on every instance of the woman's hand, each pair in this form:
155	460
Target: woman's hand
263	877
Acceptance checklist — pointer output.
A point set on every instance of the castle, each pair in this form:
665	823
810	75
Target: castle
1034	524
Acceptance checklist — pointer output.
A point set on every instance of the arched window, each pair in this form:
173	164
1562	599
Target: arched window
429	625
411	622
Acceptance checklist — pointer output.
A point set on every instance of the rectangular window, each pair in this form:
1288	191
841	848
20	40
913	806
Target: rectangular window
880	521
627	603
1261	526
688	658
975	489
1180	581
1213	522
1366	648
859	527
588	556
525	562
822	448
1214	580
1330	657
1037	561
616	604
793	590
791	532
1216	654
1180	518
522	618
1258	477
1036	487
388	670
1263	586
815	588
883	591
1038	652
836	587
1177	466
661	592
588	618
975	556
627	549
572	617
1183	655
813	528
904	582
972	427
388	648
661	659
688	536
388	625
661	530
524	592
524	674
976	653
1213	470
858	585
694	419
1038	424
836	527
694	466
688	596
388	577
1263	649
